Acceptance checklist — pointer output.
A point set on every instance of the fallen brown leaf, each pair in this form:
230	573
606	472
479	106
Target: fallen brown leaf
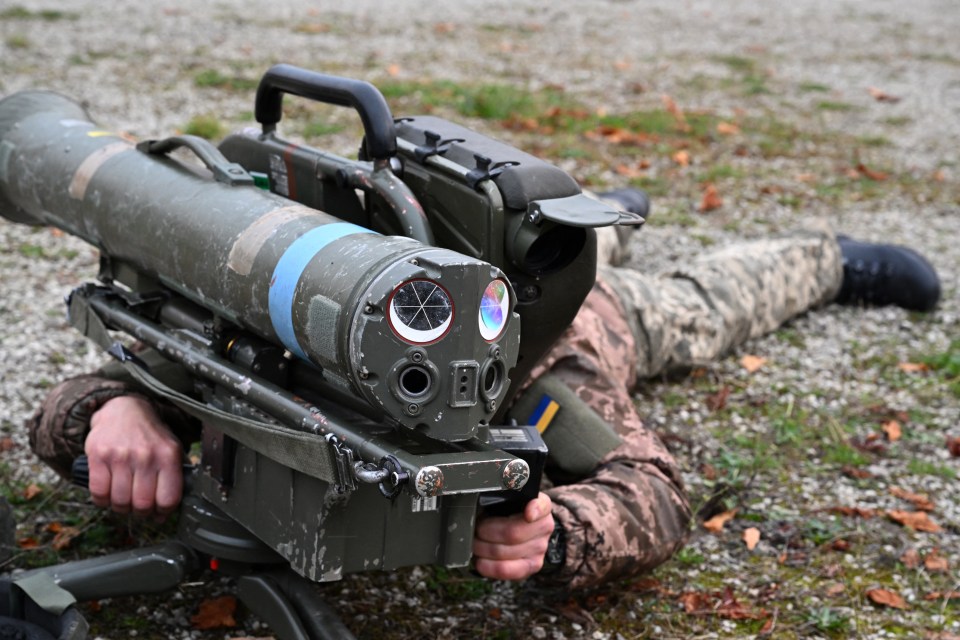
860	512
64	538
892	430
751	537
910	558
913	367
711	199
920	501
887	598
727	129
717	401
882	96
752	363
715	524
953	446
676	112
443	28
871	174
935	563
32	491
916	520
682	158
6	444
853	472
215	613
393	70
835	590
942	595
28	543
840	545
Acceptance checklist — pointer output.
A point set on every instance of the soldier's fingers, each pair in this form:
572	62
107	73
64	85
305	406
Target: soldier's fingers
513	530
539	507
144	492
494	551
121	487
169	488
508	569
99	482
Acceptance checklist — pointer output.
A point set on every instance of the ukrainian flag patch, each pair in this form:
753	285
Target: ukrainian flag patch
543	415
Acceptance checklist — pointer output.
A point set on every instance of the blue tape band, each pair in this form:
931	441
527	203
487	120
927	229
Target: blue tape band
287	274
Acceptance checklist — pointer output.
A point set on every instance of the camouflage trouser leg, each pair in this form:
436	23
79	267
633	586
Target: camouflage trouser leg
691	315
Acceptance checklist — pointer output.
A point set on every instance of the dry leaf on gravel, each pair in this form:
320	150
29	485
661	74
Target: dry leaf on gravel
913	367
859	512
682	158
710	200
727	129
717	401
892	430
942	595
32	491
887	598
920	501
64	538
752	363
853	472
916	520
882	96
676	112
871	174
935	563
216	613
6	444
835	590
715	524
910	558
953	446
751	537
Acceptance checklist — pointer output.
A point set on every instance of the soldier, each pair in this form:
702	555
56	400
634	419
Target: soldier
613	502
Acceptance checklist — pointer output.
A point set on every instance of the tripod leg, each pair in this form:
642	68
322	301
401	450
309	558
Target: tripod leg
288	603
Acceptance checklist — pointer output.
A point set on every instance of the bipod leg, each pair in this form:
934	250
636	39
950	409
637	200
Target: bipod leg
291	606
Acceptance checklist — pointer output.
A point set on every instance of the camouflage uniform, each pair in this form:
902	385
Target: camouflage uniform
617	491
629	513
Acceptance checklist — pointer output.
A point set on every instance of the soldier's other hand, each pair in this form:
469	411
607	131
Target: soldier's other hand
512	548
135	461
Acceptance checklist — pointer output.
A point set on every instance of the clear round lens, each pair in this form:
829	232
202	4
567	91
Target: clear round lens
494	310
420	312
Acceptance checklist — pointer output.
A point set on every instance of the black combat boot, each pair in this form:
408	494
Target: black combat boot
884	274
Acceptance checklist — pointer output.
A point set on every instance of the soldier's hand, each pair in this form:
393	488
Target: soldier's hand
135	461
512	548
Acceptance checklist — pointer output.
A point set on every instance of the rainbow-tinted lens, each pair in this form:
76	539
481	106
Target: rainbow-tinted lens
420	311
494	309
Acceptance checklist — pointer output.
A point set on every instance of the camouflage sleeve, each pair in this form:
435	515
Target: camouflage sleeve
629	512
58	428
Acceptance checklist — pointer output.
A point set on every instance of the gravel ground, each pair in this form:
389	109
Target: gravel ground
881	71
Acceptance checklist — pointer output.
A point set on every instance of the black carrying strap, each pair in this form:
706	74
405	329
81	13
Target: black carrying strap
304	452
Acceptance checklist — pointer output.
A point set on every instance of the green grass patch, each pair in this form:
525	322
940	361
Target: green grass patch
211	78
205	126
833	105
813	87
18	41
318	129
843	455
927	468
22	13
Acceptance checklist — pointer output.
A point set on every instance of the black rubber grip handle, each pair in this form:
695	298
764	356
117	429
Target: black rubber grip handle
381	135
80	472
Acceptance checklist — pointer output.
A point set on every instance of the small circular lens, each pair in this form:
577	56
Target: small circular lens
420	311
494	310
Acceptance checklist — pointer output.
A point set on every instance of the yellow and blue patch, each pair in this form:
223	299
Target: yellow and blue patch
543	415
